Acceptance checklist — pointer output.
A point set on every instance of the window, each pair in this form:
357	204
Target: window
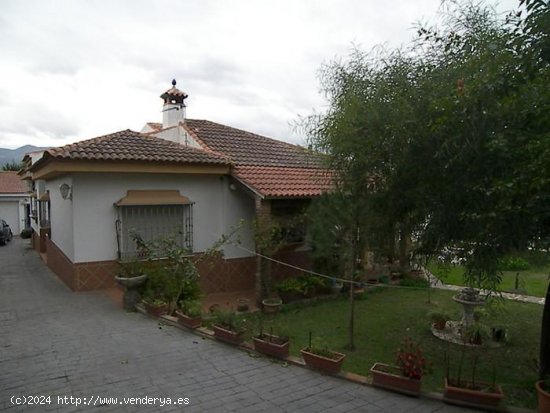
153	215
44	210
289	214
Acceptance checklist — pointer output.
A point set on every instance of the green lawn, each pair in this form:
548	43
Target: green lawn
532	282
385	316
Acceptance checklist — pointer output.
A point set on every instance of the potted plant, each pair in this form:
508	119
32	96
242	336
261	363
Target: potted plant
406	376
272	345
439	320
318	356
543	395
228	327
189	313
472	393
272	305
156	307
290	290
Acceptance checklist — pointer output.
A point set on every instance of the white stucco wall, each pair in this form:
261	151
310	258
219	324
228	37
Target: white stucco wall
94	215
61	216
179	135
237	205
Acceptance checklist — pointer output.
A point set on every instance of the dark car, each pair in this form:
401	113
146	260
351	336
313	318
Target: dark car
5	232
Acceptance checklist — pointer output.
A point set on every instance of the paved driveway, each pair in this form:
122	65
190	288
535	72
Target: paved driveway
57	343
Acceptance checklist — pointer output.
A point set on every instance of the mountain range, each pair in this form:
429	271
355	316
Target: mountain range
16	155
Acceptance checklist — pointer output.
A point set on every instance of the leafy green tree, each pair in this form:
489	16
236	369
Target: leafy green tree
449	140
12	166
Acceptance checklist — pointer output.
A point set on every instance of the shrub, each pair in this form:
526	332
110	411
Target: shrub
513	263
415	282
229	320
191	308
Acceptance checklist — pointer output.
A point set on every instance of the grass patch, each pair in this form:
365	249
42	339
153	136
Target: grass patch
532	282
385	316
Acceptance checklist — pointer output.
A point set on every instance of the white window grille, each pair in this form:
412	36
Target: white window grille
152	222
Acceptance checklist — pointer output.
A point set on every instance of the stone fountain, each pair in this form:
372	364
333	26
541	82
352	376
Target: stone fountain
470	299
456	331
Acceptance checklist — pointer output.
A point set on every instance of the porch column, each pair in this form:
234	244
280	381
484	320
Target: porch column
263	267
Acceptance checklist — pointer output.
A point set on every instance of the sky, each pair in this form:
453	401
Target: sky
76	69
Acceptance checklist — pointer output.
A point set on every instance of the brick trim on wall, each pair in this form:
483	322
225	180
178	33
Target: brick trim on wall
60	264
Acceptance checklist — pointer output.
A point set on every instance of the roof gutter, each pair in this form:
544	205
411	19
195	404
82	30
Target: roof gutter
247	186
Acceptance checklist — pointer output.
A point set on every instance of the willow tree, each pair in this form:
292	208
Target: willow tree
449	139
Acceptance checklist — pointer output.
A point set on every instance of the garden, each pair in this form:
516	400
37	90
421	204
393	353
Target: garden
385	316
394	319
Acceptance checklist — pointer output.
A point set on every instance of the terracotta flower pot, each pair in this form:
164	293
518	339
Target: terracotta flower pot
389	377
543	397
228	336
272	346
191	322
329	365
482	396
155	310
440	325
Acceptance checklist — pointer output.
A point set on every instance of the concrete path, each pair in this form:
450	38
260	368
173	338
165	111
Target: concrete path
437	283
61	344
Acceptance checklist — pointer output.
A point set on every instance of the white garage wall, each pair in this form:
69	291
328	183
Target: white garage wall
61	216
9	212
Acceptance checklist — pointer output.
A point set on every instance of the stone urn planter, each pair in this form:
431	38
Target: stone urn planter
543	395
131	294
272	305
272	345
390	378
469	299
482	395
188	321
228	336
328	362
156	309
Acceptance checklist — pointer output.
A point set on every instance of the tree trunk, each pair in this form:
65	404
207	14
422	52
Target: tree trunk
404	247
351	326
352	266
545	338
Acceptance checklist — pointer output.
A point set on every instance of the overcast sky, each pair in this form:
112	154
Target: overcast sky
73	70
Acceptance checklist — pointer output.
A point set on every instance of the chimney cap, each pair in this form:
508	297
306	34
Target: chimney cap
174	95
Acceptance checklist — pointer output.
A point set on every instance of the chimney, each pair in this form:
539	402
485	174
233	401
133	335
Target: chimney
173	110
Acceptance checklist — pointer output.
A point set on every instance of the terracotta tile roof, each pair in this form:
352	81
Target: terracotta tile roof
128	145
246	148
275	181
10	183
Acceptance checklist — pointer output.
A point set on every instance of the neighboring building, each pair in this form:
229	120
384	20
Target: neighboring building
14	202
198	176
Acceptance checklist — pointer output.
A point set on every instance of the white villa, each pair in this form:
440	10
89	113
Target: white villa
196	175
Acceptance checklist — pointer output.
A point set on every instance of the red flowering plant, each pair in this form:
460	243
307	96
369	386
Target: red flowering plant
410	360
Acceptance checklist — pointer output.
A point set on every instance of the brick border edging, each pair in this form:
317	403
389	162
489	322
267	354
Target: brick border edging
343	375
